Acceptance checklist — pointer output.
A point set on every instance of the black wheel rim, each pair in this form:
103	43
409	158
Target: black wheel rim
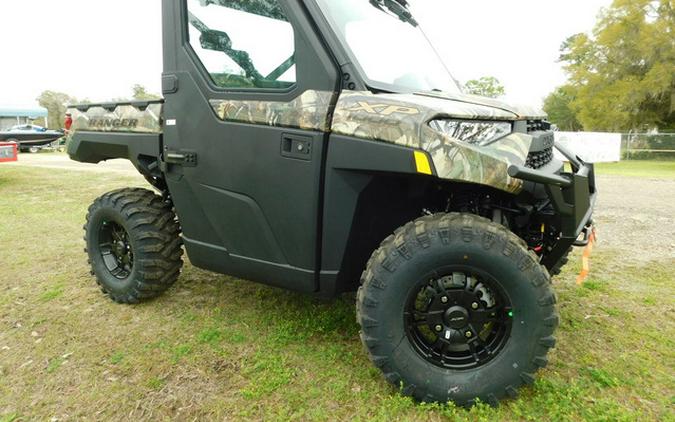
461	320
115	248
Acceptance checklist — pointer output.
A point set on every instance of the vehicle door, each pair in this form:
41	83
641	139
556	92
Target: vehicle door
249	90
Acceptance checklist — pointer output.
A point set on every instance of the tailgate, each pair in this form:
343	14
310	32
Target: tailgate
133	116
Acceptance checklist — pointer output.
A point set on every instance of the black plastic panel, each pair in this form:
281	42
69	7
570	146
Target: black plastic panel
358	170
248	208
94	147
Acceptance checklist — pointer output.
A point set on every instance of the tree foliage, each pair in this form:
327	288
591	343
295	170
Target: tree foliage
623	75
558	106
487	86
56	104
139	92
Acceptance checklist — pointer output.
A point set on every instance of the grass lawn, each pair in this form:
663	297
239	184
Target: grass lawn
217	347
639	168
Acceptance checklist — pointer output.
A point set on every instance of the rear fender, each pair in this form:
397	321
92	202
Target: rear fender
142	149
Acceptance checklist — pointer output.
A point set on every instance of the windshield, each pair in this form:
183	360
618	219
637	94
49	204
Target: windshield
392	52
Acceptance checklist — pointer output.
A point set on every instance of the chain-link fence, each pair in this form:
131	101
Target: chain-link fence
645	146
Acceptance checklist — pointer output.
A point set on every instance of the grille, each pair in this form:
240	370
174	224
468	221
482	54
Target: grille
539	159
538	125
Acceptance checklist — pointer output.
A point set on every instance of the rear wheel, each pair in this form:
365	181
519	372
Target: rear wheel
133	244
454	307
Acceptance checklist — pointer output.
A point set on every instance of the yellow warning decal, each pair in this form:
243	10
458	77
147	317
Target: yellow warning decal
422	162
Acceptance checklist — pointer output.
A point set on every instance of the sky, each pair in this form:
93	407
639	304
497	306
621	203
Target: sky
99	49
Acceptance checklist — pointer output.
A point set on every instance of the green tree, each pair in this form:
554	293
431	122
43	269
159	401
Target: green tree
139	92
487	86
56	104
558	106
623	73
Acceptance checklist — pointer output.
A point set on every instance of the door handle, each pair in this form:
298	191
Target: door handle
183	158
296	146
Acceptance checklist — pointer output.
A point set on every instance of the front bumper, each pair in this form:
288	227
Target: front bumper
573	196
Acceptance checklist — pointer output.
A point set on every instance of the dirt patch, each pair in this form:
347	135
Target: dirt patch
635	217
60	161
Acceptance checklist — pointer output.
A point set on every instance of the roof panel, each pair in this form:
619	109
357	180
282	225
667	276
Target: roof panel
23	112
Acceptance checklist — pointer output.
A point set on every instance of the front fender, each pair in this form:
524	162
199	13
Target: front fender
350	153
403	121
486	165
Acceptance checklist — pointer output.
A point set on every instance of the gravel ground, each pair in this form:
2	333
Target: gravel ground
634	215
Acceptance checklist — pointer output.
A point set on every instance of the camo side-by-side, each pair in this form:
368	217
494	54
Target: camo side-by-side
402	119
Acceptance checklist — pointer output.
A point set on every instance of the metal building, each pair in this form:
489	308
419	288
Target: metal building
10	116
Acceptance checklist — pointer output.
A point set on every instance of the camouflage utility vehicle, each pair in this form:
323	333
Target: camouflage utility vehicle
322	146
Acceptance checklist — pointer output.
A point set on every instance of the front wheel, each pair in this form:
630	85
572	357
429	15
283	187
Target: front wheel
453	307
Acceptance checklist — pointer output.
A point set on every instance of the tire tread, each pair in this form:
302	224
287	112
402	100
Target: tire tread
158	250
447	228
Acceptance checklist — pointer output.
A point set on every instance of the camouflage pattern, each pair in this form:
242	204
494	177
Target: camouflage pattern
523	112
124	118
403	119
486	165
310	111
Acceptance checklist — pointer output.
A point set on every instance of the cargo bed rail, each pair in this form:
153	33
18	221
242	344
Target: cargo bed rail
126	116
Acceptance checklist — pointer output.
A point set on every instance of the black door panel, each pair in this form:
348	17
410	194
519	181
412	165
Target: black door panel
250	206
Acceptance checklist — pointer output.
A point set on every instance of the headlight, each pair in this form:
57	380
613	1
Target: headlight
472	132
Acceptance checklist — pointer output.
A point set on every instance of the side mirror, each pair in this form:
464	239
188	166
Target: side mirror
215	40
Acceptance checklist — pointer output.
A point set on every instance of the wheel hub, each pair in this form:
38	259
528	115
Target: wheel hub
456	317
458	321
120	249
115	249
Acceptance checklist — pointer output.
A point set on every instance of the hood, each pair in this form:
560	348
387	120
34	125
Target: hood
438	105
520	112
403	119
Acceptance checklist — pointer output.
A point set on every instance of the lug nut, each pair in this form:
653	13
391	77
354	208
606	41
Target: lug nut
438	328
444	299
474	305
468	334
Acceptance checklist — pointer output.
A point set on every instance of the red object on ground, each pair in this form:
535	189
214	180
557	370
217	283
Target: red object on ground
8	151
